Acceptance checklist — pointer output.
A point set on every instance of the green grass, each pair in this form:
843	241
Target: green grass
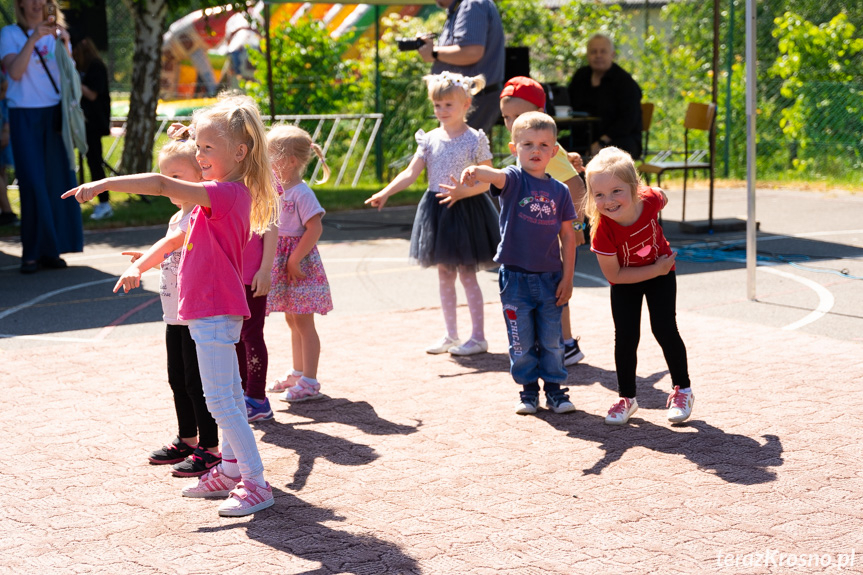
131	211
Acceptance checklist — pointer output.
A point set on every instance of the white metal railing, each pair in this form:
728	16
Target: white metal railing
357	128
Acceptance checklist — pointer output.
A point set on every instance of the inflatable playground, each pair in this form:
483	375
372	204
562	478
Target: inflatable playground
207	50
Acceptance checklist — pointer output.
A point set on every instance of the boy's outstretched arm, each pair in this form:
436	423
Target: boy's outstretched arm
473	175
567	249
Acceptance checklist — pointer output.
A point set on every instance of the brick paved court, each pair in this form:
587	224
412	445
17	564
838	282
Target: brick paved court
417	464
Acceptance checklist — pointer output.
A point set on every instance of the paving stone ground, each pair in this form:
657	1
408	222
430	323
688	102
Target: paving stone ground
418	464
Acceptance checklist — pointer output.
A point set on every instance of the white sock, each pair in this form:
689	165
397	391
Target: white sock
296	373
258	479
310	380
569	342
230	468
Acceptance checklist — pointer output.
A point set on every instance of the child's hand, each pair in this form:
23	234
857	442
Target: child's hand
576	161
134	255
85	192
294	271
379	200
563	291
665	263
468	177
261	283
130	279
451	193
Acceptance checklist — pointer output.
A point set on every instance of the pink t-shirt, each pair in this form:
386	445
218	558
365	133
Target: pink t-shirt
298	205
639	244
253	253
210	279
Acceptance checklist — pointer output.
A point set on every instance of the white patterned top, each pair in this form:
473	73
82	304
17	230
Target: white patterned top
445	157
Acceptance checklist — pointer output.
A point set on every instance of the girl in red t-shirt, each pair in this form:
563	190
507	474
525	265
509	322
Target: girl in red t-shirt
638	263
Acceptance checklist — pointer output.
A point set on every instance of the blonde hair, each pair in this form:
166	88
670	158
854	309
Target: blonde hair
291	141
22	18
239	121
448	84
619	164
180	145
533	121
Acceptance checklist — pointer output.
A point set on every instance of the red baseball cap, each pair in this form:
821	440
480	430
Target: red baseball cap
525	88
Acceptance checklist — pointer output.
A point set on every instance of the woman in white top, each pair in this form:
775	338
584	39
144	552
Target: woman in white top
49	226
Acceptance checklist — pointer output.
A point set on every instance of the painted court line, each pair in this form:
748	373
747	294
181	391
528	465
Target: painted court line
825	298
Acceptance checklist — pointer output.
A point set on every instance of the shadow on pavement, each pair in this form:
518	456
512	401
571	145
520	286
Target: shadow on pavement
296	527
311	445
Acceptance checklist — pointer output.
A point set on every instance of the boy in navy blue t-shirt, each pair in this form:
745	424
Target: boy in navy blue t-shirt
536	214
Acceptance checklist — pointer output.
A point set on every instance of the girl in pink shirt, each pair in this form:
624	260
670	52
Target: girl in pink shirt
300	287
240	197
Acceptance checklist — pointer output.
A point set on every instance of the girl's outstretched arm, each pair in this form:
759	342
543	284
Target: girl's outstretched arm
405	178
458	191
262	281
625	275
131	278
144	184
310	238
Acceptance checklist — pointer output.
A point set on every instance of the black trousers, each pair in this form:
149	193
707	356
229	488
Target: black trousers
193	417
626	301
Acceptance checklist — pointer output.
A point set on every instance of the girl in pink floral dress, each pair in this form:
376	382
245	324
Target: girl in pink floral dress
300	287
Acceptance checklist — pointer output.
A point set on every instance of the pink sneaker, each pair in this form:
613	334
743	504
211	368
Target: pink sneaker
281	385
621	411
679	404
214	483
302	391
246	498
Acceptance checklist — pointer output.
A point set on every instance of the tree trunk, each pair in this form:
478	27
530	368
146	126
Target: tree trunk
149	16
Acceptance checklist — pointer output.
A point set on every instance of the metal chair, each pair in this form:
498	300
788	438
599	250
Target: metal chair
698	117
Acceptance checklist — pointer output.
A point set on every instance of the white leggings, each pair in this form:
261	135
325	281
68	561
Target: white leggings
215	338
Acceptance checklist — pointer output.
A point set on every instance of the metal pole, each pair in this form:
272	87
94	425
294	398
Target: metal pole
729	66
269	60
751	108
714	91
379	144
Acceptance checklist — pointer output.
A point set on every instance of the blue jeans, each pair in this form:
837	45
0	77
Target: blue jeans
532	319
215	338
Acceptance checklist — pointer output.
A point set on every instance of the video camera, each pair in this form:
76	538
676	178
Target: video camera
408	44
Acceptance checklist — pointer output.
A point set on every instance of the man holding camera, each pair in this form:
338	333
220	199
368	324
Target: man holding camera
471	43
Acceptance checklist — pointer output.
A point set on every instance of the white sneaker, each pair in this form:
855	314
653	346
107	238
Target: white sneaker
470	347
621	411
443	345
679	404
102	211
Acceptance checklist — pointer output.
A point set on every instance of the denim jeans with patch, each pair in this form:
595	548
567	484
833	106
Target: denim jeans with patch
532	319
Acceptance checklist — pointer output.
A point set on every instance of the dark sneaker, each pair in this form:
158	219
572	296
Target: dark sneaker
558	401
527	404
9	219
198	464
572	354
174	453
258	410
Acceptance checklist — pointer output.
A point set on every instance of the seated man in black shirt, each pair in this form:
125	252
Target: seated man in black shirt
605	90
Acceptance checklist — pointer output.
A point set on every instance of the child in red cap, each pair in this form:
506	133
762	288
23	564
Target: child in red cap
520	95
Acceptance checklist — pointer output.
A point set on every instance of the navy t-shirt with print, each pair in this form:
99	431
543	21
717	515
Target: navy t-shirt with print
531	213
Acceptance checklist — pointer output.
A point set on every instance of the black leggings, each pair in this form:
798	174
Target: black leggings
661	295
193	417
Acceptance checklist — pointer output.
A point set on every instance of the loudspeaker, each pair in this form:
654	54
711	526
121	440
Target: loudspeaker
517	62
88	19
